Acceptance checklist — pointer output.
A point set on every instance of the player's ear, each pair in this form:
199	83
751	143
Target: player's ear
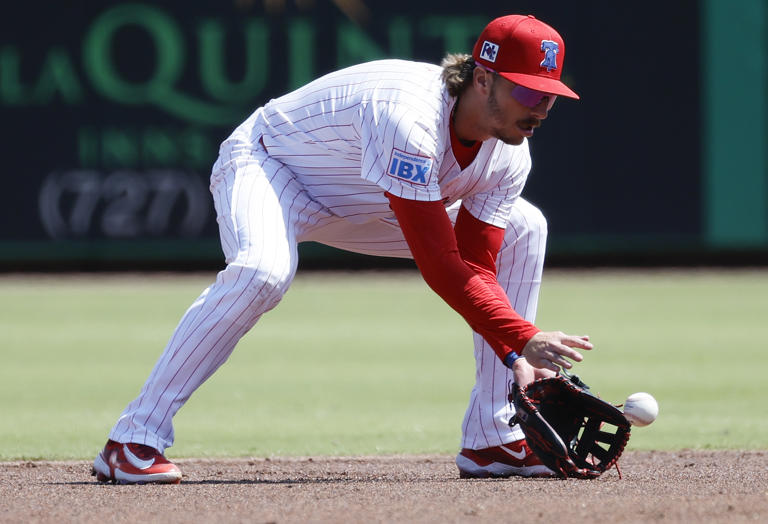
482	79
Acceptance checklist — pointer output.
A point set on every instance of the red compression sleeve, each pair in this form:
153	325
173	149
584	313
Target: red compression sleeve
479	244
469	287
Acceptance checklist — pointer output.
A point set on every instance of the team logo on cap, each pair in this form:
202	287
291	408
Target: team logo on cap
489	51
550	49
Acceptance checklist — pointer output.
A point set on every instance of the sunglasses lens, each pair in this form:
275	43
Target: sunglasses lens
531	97
551	101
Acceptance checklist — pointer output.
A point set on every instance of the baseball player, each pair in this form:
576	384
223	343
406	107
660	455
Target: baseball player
391	158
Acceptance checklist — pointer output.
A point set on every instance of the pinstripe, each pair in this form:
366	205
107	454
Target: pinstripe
493	405
377	79
523	256
394	144
465	426
483	346
337	112
483	169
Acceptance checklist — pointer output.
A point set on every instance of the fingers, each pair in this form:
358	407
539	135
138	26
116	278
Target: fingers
562	353
550	359
555	350
568	352
566	345
581	342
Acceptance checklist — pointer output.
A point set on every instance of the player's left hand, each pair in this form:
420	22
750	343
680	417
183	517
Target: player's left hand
552	349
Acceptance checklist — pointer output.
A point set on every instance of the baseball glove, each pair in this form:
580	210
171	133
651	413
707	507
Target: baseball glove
572	431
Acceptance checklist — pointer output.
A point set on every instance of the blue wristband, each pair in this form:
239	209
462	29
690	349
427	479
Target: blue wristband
510	359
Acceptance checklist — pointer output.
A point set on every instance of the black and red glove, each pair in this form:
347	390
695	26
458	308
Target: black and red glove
572	431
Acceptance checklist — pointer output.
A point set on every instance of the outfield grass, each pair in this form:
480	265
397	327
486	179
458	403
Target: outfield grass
369	363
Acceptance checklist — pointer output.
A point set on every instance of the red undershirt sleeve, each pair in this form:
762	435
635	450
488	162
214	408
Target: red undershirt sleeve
460	266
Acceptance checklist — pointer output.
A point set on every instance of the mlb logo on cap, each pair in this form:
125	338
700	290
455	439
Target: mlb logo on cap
489	51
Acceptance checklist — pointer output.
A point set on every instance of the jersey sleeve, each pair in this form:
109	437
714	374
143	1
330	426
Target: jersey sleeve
511	166
463	277
400	150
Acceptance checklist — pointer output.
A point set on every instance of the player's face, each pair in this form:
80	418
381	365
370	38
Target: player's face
514	112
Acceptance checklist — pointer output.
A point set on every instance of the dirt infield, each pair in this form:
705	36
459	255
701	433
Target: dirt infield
684	486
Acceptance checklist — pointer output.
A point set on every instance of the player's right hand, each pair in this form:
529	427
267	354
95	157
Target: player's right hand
553	349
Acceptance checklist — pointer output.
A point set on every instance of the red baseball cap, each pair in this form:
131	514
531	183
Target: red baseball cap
525	51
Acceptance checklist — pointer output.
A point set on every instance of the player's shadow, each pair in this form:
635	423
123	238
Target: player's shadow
285	482
288	482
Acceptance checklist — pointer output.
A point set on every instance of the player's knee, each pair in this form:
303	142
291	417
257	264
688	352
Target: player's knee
268	285
537	221
260	287
529	220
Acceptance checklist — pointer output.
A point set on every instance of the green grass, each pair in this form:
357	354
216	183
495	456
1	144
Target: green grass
372	363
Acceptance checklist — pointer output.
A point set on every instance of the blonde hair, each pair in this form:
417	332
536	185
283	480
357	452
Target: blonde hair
457	72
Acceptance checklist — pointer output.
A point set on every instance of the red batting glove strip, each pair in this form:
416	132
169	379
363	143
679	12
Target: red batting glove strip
470	286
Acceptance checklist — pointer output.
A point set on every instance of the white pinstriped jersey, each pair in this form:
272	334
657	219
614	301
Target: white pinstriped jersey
381	126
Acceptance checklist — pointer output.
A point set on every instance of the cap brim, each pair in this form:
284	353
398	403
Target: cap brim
539	83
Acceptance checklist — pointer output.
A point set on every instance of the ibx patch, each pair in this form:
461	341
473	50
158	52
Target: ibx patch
410	167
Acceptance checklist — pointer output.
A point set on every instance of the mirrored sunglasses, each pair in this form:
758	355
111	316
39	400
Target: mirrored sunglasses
528	97
531	97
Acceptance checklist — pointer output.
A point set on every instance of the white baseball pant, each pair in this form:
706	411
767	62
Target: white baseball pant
263	213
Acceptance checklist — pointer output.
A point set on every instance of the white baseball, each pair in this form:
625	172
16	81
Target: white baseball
641	409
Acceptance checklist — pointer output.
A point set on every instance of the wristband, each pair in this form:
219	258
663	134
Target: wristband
510	359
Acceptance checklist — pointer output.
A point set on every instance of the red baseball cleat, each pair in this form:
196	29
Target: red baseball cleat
514	458
132	463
